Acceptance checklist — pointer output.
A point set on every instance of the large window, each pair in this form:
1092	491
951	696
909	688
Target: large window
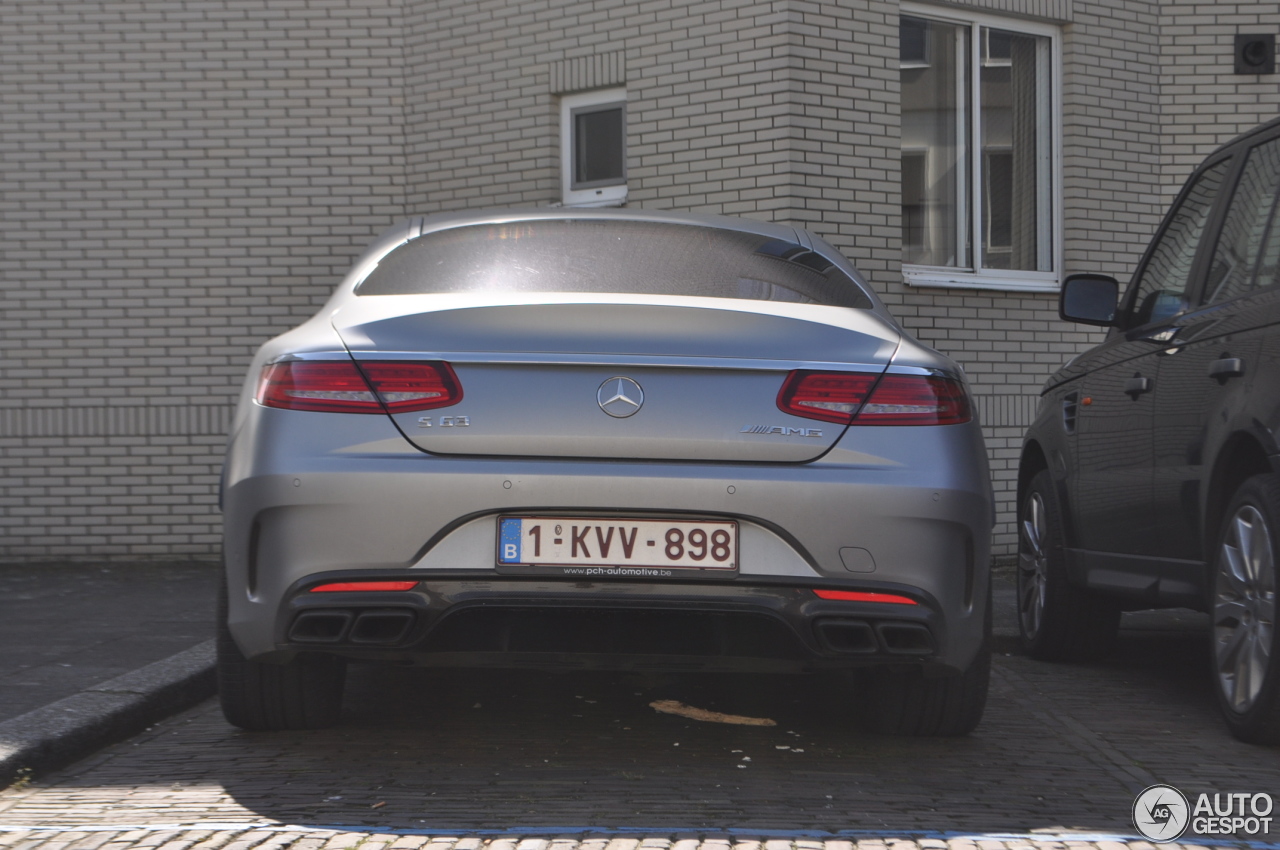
610	256
593	142
979	151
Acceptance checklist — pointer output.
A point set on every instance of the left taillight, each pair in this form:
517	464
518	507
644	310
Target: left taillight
340	386
854	398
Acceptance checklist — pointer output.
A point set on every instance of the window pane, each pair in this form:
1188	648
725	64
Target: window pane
598	147
1016	151
1162	287
1237	267
935	187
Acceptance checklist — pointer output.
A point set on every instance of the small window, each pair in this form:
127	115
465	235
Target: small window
593	140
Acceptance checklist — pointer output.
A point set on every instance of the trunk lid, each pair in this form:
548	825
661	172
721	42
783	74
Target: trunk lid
682	380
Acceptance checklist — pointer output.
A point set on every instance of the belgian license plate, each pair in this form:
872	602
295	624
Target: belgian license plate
589	546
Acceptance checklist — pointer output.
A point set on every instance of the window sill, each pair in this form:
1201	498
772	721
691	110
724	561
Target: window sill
611	196
932	276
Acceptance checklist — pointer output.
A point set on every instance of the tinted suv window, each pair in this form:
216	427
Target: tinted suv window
650	258
1247	250
1162	287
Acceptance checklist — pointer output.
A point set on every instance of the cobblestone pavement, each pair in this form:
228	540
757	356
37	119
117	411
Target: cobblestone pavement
453	760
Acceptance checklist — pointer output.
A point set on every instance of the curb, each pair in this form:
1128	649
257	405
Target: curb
67	730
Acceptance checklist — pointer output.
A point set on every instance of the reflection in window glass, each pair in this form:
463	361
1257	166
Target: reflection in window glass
1162	287
934	64
1014	98
1249	228
997	207
913	44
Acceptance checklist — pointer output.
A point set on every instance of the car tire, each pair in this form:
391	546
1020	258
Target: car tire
302	693
906	702
1244	647
1058	621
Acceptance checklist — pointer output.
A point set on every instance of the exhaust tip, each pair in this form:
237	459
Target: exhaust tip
382	627
905	638
320	626
847	636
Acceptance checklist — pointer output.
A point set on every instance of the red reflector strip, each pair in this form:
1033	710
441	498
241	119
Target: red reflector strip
339	586
859	596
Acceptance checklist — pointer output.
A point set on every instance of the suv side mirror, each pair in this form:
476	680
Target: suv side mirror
1089	299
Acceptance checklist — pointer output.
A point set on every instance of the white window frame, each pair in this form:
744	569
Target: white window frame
999	279
594	196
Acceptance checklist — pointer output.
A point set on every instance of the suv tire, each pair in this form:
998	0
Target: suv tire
1058	621
1244	647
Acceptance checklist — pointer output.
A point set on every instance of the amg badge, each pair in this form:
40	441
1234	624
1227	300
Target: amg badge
781	429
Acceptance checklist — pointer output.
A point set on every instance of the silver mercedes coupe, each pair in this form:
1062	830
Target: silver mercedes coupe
613	439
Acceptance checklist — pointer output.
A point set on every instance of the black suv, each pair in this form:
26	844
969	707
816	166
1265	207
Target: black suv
1151	476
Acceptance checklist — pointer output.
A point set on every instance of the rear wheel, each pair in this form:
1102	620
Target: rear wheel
905	702
303	693
1059	622
1245	654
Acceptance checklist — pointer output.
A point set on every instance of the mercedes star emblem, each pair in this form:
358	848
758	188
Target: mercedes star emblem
620	397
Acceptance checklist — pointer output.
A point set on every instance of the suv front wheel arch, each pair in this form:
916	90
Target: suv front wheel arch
1058	621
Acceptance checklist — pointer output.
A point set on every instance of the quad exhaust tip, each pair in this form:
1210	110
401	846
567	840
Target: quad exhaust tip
335	626
890	637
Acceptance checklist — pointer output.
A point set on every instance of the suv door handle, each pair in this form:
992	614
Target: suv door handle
1226	367
1136	386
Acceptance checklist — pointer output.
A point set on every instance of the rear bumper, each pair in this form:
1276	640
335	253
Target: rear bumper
457	621
340	502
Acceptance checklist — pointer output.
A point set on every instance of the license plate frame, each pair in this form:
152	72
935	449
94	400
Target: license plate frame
617	547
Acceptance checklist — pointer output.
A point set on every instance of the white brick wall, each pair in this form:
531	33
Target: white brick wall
180	181
1203	102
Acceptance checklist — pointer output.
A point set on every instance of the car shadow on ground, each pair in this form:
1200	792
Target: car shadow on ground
531	752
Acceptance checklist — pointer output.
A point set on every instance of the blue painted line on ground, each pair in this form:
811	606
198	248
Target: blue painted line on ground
701	833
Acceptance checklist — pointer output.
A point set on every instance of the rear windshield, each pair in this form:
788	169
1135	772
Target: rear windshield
602	256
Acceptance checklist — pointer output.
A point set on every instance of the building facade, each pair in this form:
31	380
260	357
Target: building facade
182	179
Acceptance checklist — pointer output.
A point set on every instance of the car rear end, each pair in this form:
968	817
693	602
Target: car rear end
500	472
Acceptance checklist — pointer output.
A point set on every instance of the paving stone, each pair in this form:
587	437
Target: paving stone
1062	748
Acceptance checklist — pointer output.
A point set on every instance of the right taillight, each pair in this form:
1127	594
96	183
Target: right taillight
915	400
829	396
842	397
340	386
